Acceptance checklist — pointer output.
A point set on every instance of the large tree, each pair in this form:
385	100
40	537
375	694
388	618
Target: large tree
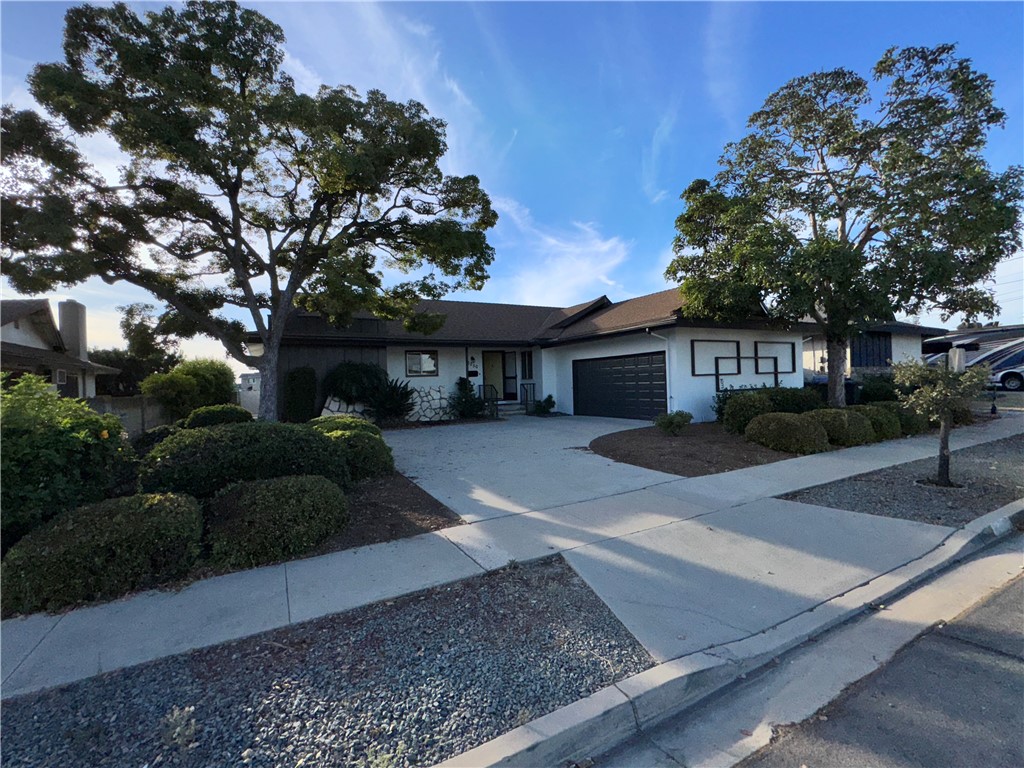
850	201
239	191
149	350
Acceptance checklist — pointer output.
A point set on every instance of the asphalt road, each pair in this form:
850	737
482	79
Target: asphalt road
954	698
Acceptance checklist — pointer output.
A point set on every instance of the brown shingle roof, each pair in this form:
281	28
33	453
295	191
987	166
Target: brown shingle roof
655	309
15	309
19	354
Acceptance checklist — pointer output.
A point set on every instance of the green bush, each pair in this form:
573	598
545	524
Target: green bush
544	407
844	427
793	399
209	415
365	455
56	453
466	403
674	423
102	551
344	421
390	403
202	461
262	521
151	438
911	422
190	385
353	382
789	432
878	389
741	407
885	423
300	395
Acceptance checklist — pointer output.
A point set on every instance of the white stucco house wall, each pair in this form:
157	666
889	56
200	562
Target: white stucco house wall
874	350
32	342
630	359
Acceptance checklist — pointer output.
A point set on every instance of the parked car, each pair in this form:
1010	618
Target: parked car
1008	372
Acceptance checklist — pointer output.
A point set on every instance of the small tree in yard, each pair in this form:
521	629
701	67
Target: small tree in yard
937	393
238	191
848	206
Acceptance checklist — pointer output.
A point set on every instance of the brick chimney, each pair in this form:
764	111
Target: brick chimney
71	316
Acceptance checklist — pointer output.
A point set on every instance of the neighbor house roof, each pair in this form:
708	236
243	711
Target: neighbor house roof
480	323
15	309
19	354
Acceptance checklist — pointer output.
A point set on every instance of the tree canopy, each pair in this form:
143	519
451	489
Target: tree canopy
148	351
239	190
850	201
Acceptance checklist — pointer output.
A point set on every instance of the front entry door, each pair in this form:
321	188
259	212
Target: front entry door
500	373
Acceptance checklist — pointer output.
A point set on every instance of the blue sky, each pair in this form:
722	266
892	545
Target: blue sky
584	121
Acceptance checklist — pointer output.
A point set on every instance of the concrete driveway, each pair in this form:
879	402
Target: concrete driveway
522	464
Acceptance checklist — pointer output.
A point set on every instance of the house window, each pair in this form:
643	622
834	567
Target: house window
62	376
421	363
527	365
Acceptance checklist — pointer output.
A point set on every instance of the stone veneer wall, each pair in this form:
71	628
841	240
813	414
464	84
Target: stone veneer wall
429	404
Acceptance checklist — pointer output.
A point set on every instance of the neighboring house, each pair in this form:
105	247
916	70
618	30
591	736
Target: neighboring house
31	342
629	359
872	351
249	392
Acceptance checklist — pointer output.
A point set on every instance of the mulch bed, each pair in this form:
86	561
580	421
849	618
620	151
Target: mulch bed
705	449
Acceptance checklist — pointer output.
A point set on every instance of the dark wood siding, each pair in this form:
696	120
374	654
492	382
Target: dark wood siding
626	386
323	359
871	350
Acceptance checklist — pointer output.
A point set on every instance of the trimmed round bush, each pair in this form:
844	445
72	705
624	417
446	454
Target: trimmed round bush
210	415
344	422
151	438
262	521
742	407
674	423
878	389
202	461
789	432
844	427
885	423
365	455
103	550
793	399
911	422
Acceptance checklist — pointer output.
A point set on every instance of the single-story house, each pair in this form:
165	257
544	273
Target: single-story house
31	342
873	350
629	359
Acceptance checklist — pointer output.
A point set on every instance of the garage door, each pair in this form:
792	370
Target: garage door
626	387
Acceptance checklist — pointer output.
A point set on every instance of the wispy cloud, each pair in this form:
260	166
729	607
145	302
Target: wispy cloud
651	160
306	80
725	38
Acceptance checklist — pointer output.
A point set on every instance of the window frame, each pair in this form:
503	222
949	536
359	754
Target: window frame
421	352
526	368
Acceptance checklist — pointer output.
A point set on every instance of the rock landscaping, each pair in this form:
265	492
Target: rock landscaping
990	474
405	682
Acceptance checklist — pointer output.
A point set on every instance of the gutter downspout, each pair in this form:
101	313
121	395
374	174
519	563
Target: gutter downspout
668	365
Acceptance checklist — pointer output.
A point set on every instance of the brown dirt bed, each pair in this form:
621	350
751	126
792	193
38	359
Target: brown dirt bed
704	449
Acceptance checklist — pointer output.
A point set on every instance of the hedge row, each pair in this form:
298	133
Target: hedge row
737	408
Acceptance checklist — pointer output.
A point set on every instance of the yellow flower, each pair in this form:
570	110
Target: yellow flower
104	435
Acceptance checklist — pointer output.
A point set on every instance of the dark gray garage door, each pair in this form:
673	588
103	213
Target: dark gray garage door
627	387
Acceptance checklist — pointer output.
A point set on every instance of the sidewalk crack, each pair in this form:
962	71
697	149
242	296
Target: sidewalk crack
33	649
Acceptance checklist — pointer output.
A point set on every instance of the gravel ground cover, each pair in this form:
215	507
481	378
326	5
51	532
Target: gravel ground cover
410	681
990	474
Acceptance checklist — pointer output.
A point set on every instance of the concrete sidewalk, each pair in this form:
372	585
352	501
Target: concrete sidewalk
654	538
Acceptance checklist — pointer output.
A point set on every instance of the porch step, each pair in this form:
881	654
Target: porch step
511	409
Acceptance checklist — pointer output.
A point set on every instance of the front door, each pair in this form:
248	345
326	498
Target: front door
500	373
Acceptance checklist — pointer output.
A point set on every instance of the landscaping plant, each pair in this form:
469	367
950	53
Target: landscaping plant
352	382
883	420
741	407
544	407
55	454
102	550
390	403
789	432
466	403
190	385
300	395
261	521
844	427
365	455
344	422
674	423
209	415
940	393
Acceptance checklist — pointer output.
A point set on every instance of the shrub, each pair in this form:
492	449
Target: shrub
741	407
258	522
209	415
911	422
352	382
878	389
465	403
344	422
885	423
391	402
674	423
789	432
102	550
843	426
300	395
793	399
544	407
721	398
202	461
176	392
365	455
56	453
151	438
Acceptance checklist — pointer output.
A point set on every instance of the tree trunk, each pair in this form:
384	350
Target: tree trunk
945	426
268	384
836	351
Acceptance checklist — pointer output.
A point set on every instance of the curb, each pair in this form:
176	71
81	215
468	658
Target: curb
595	724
